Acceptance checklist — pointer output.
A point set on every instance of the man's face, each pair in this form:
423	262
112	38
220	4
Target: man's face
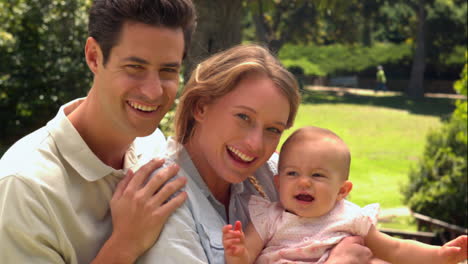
137	86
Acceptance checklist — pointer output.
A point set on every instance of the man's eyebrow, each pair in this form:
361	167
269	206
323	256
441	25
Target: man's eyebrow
136	59
145	62
171	64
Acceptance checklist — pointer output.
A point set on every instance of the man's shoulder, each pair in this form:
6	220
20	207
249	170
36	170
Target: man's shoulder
33	155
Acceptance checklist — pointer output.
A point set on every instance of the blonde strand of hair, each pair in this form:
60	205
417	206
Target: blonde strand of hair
257	186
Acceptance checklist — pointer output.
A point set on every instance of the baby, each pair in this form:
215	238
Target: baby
313	215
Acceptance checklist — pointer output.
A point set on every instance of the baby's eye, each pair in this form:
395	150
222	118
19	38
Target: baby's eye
292	173
318	175
243	117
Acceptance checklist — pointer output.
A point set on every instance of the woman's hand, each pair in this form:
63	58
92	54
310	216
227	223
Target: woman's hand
350	250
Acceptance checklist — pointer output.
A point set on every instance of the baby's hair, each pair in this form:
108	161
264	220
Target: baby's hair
257	186
315	133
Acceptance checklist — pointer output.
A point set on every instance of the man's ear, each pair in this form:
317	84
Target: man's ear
276	181
344	190
93	54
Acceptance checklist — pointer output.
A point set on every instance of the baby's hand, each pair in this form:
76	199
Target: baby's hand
234	240
455	251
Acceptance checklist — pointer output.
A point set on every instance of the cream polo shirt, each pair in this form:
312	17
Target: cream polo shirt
55	193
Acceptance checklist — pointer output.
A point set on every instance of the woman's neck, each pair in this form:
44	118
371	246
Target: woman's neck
220	188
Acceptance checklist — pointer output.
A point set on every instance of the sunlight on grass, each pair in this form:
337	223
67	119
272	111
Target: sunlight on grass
399	222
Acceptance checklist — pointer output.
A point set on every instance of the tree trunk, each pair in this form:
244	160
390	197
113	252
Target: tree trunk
218	28
416	84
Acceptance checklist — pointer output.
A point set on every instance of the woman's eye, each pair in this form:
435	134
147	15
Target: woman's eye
275	130
243	117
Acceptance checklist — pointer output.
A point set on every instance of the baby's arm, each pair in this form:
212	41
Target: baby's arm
239	247
409	251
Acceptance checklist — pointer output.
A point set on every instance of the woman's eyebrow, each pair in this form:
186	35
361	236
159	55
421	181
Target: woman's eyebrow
253	111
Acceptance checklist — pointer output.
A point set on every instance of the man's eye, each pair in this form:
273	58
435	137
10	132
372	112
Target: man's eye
134	68
171	70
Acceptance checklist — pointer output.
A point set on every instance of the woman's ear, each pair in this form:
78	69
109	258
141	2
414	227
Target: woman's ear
344	190
93	54
199	111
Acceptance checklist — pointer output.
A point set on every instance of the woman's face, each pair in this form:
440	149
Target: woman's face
237	133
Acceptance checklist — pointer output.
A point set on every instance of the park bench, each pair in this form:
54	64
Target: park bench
424	237
445	231
439	232
344	81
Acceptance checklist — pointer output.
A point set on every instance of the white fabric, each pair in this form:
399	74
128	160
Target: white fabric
307	239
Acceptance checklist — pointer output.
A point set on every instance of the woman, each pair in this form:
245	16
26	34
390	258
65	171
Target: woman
229	122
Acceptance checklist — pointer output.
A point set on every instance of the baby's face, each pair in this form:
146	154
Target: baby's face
310	179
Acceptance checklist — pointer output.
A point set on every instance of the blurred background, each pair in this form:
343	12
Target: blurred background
409	143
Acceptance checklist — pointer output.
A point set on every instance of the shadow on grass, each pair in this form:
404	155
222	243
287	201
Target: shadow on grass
441	107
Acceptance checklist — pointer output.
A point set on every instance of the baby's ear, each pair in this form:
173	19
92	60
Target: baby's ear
345	189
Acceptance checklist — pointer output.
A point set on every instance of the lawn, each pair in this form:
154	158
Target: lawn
385	133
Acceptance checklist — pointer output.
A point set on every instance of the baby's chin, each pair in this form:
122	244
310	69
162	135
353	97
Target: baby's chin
305	213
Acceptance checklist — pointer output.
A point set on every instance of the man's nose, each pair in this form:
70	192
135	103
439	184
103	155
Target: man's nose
152	88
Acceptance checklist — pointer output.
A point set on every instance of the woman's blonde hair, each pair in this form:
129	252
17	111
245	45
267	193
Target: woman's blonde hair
219	75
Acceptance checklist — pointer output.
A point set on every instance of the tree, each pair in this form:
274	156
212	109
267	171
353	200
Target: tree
278	22
42	61
218	28
416	84
437	187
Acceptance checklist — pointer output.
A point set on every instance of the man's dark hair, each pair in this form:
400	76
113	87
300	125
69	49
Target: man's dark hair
106	18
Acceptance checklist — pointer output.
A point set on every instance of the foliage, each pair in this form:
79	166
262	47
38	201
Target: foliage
461	87
41	49
437	187
344	59
303	66
272	21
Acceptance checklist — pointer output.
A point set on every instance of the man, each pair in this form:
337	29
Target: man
381	80
57	183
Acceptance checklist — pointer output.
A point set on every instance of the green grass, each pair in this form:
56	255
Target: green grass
386	135
407	223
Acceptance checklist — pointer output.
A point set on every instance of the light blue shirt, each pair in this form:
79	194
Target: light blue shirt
193	234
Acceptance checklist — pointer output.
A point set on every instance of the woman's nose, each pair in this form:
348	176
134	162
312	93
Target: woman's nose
255	139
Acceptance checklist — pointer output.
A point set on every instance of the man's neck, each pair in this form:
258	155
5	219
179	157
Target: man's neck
106	143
